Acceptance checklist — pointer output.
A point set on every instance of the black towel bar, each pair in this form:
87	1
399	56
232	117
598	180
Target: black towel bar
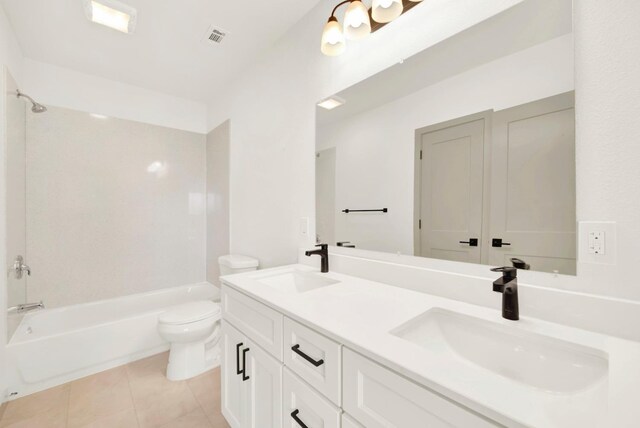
381	210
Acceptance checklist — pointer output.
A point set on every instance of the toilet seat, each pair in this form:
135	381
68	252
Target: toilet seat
189	313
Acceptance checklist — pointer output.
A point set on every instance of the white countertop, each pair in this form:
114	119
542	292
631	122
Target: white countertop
360	314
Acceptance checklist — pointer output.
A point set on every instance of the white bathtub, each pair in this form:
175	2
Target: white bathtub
54	346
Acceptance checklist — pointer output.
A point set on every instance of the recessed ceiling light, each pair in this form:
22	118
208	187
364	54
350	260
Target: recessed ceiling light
331	103
112	14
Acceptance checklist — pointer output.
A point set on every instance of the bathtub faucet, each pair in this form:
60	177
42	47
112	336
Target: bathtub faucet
26	307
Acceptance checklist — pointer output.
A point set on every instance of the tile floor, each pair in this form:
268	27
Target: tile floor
136	395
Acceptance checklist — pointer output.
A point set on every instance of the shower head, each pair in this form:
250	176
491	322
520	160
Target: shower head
36	107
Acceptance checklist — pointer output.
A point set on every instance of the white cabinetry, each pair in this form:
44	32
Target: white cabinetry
251	382
314	358
380	398
303	406
277	372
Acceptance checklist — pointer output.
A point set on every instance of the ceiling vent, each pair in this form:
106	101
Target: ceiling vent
215	35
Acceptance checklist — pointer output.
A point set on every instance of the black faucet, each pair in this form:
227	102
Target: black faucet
508	286
323	252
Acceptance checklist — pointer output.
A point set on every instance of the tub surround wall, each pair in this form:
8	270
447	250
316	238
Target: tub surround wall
114	207
217	198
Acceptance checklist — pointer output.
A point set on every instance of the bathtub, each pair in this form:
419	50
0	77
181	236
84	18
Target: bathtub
54	346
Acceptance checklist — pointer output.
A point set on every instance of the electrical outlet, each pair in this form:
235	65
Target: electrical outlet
597	242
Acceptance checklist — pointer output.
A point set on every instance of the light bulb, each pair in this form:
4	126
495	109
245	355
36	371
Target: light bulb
333	41
384	11
357	24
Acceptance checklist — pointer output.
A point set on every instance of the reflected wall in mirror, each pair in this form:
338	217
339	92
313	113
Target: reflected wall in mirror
464	152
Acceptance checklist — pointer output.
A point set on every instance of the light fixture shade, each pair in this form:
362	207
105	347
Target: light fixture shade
333	41
384	11
357	24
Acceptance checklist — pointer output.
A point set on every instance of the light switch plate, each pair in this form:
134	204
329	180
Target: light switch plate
597	242
304	226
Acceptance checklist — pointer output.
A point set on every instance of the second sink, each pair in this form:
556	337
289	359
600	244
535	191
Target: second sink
539	361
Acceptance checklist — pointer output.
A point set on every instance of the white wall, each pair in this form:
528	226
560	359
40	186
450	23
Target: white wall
375	149
11	58
114	207
273	108
273	114
217	198
62	87
608	133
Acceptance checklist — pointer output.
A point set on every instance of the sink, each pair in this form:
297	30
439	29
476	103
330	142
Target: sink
296	282
532	359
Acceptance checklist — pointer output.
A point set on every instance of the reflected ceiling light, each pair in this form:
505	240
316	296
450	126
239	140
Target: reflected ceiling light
386	10
357	24
111	13
331	103
360	22
98	116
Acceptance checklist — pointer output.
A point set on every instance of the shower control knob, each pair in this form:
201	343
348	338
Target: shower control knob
19	267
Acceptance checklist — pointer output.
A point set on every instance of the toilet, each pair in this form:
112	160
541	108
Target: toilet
193	328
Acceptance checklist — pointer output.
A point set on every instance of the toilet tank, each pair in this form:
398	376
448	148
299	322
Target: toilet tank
236	263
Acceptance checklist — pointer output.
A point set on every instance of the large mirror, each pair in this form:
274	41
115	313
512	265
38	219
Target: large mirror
464	152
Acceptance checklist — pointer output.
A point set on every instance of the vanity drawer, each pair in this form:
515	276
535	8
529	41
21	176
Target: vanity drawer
259	322
380	398
314	358
301	403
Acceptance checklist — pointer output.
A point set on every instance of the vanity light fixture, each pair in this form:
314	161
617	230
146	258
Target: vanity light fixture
359	22
112	14
331	103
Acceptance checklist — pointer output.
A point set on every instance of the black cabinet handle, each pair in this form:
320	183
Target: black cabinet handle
244	364
238	371
473	242
498	243
296	349
294	416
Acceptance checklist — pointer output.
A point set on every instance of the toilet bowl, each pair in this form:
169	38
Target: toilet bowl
193	330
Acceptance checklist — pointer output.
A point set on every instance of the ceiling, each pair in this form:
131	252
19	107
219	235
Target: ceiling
167	52
520	27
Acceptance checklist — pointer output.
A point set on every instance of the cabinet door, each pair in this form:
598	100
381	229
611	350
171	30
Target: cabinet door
236	406
265	388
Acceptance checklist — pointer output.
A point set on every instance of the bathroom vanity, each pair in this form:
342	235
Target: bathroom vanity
307	349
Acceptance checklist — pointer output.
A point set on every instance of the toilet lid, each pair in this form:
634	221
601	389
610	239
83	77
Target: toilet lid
189	312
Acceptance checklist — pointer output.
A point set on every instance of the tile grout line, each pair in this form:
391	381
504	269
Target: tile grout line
66	413
135	409
199	403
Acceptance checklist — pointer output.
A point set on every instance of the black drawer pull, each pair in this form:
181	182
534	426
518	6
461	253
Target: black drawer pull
294	416
244	364
238	371
296	349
